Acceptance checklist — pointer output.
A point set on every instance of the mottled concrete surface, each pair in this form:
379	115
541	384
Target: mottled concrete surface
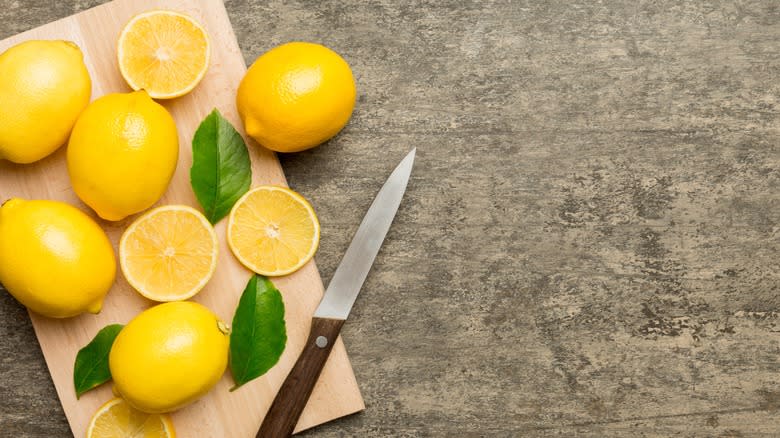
589	244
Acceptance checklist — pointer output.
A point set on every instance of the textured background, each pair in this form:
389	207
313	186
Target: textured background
589	243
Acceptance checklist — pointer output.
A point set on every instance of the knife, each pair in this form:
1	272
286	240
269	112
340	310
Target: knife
334	308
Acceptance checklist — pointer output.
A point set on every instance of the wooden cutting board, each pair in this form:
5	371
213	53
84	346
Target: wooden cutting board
220	414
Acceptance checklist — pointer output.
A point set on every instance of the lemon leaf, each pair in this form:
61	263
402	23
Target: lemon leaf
221	169
91	368
259	334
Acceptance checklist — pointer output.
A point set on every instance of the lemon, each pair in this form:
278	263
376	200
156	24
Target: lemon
273	231
44	86
296	96
54	258
169	253
122	154
165	53
117	419
168	356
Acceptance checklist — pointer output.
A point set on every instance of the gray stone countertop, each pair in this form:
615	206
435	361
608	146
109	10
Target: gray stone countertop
589	243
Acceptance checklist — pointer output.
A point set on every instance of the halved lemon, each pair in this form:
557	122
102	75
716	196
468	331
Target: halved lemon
117	419
169	254
273	230
165	53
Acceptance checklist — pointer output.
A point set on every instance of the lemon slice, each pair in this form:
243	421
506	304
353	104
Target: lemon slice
169	253
116	419
165	53
273	230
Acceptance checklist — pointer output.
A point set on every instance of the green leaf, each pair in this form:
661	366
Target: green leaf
258	335
221	169
91	368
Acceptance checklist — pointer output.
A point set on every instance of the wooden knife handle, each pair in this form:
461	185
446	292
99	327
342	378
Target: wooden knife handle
286	409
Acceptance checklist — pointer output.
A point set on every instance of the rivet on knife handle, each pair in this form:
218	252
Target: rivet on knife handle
286	408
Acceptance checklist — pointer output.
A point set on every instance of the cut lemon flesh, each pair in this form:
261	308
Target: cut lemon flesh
273	231
169	254
165	53
116	419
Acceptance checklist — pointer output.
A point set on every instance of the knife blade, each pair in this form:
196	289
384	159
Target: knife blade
336	304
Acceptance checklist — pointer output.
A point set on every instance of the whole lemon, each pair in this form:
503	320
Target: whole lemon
54	258
44	86
296	96
168	356
122	154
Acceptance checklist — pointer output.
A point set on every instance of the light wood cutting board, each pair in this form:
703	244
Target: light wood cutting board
220	414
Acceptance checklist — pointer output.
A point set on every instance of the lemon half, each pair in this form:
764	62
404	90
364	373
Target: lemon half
165	53
169	254
273	230
117	419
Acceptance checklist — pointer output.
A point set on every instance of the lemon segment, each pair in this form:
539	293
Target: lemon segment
169	254
165	53
273	231
117	419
